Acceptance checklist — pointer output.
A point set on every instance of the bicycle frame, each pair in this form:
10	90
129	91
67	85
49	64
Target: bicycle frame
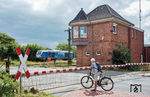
102	81
100	76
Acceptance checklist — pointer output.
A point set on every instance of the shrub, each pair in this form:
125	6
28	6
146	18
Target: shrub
121	55
134	68
7	85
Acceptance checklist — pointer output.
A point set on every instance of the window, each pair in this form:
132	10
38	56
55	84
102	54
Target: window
136	35
87	53
98	53
101	37
114	28
66	54
52	54
75	32
83	32
132	34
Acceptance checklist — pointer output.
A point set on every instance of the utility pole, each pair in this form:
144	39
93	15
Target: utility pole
140	14
69	46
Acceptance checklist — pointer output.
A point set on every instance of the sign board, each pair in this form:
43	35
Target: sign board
23	63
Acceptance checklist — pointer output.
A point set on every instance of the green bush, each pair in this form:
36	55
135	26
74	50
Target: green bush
134	68
7	85
121	54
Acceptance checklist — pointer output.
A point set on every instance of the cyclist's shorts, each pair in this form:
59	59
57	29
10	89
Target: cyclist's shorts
96	76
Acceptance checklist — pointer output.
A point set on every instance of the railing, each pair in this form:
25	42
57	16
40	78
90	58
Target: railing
54	80
51	79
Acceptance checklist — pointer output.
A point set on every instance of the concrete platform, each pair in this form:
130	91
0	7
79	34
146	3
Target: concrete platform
98	93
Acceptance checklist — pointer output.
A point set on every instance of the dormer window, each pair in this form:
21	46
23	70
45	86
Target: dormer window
114	28
75	32
83	32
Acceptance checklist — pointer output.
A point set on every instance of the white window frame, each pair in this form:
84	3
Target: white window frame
82	34
114	28
98	54
75	32
101	37
87	53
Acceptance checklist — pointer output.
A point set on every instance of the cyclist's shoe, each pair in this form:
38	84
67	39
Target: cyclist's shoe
93	90
98	83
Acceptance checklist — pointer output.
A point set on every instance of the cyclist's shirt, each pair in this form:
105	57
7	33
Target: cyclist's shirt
94	68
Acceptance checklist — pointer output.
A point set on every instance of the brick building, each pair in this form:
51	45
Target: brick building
146	53
96	33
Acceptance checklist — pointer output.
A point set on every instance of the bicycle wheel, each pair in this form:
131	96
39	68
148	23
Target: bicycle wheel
86	82
106	83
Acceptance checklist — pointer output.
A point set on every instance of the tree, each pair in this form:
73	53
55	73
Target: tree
7	85
34	48
7	46
62	46
121	55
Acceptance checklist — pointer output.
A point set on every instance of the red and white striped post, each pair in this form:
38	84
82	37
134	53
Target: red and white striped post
23	61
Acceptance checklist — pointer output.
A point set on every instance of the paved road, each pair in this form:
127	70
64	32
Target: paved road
122	84
102	93
122	80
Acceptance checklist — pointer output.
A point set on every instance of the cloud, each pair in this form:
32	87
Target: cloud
146	22
133	8
44	21
132	13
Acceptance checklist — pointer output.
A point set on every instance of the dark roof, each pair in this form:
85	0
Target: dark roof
101	12
81	17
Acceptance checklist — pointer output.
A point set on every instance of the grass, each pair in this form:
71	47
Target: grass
33	93
59	64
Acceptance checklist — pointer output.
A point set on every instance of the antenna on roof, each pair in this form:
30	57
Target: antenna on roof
139	13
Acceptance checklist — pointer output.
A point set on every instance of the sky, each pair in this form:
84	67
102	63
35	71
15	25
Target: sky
44	21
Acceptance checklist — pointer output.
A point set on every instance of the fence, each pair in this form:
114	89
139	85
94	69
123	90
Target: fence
51	79
2	64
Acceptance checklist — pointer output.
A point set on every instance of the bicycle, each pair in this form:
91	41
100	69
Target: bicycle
106	83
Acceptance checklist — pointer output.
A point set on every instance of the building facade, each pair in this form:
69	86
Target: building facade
96	33
146	53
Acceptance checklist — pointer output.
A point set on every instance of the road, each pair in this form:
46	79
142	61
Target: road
122	81
122	84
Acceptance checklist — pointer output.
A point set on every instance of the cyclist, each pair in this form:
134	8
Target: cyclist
94	72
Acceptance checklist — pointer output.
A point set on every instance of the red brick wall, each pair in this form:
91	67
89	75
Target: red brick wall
82	59
108	44
147	54
102	29
136	45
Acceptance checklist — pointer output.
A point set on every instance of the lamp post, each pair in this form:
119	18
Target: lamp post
69	46
140	14
8	57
